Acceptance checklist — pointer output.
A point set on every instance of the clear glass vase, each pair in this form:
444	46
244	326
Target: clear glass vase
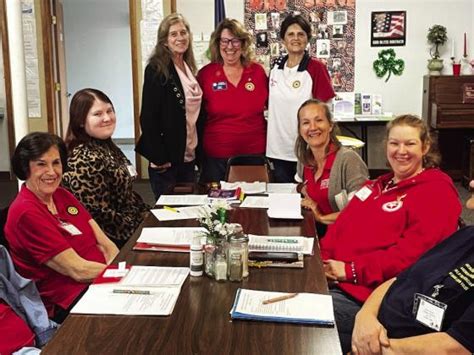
215	250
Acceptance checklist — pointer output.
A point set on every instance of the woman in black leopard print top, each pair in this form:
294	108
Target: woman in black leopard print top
98	173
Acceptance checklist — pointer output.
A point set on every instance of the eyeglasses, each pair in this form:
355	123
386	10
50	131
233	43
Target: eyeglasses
224	42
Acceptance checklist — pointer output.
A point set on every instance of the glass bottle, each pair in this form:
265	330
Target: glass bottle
220	268
234	258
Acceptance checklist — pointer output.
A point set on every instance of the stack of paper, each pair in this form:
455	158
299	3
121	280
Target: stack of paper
182	200
307	308
174	239
145	290
255	202
247	187
179	213
284	206
281	188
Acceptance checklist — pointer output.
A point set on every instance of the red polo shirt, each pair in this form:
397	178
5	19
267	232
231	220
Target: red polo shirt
318	190
235	123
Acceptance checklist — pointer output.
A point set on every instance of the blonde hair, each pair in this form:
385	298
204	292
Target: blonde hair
432	158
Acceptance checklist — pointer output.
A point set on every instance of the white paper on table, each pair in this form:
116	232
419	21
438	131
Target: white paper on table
100	299
190	212
281	188
255	202
305	306
155	276
170	235
284	206
182	200
256	187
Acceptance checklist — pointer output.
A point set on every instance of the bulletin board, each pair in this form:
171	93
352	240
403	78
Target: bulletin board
333	33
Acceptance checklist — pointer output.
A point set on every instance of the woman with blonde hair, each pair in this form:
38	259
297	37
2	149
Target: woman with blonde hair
235	92
332	173
171	107
390	222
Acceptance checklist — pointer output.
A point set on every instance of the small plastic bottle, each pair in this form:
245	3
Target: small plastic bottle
196	257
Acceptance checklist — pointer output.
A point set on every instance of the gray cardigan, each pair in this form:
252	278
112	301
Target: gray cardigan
348	174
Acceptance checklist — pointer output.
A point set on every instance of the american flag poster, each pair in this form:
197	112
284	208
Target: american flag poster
388	28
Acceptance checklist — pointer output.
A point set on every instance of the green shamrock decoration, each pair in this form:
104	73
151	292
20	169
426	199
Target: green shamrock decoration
386	63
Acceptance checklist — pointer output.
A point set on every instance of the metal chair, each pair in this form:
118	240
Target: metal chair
248	168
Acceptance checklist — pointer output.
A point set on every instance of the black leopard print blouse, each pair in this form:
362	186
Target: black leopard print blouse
98	176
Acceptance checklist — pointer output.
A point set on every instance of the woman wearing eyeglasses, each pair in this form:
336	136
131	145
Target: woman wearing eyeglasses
235	92
171	107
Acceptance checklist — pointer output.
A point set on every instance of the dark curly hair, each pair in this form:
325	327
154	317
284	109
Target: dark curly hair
32	147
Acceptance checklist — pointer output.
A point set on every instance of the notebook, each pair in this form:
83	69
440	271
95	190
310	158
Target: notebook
304	308
281	244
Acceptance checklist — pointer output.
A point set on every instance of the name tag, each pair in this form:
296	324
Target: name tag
363	193
132	171
429	311
219	86
70	228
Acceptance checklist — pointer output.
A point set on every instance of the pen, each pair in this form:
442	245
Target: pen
132	292
170	209
280	298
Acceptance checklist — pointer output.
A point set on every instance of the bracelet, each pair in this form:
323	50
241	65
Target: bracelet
354	275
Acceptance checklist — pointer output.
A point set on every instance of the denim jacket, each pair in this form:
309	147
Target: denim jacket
23	297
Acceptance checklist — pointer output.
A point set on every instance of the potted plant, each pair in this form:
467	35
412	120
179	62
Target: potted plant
437	36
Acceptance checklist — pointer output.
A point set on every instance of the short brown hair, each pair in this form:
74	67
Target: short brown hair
302	151
239	31
295	19
432	159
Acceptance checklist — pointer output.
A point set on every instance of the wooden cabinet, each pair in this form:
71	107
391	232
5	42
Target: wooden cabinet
451	117
443	102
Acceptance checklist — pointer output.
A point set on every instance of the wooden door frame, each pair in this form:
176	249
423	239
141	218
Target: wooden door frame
134	19
7	75
49	65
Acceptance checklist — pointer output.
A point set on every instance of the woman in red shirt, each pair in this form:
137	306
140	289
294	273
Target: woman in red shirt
235	92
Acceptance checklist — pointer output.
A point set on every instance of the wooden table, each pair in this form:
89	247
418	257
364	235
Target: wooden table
200	322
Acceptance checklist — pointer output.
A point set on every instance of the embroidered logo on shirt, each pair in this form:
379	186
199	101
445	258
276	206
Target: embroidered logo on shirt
273	82
324	184
73	211
250	86
464	276
296	84
393	206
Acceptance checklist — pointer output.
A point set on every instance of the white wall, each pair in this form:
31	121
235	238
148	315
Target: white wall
98	54
200	13
403	94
